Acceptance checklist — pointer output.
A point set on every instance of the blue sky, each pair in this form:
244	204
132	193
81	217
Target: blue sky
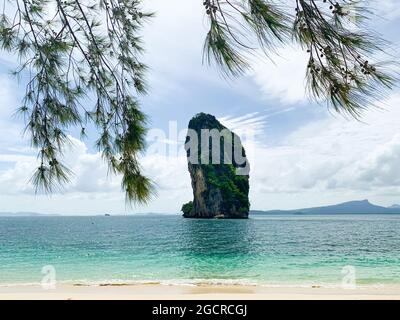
301	155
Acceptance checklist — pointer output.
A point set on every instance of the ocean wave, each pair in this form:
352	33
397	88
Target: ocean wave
19	284
195	283
210	282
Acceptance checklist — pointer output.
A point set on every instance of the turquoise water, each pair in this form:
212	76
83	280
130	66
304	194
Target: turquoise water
269	250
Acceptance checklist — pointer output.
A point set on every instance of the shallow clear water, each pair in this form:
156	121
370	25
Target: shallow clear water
270	250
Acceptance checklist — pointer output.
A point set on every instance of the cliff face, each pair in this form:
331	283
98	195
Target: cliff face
219	171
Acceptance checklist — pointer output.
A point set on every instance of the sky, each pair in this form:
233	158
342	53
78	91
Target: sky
301	154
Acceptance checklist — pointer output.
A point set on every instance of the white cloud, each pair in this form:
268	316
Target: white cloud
92	189
15	180
387	9
89	171
331	160
382	167
174	44
282	76
251	124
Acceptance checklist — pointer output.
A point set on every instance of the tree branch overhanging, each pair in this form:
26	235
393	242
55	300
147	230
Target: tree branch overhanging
76	56
348	66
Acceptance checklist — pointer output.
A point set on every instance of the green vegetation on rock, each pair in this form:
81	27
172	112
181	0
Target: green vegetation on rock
234	187
219	190
187	208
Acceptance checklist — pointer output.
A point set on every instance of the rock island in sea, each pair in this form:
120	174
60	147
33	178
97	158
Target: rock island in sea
219	171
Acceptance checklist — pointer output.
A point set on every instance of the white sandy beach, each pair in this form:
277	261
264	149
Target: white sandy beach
199	292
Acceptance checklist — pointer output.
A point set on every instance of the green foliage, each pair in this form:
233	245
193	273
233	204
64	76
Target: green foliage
78	52
187	208
233	187
348	65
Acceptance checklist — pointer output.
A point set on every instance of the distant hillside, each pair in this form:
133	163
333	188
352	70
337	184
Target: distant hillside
352	207
25	214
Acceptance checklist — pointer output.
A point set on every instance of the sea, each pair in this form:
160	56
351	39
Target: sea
265	250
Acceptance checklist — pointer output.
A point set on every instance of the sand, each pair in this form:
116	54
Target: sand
199	292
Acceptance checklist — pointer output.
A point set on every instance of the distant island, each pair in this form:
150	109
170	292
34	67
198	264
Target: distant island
26	214
352	207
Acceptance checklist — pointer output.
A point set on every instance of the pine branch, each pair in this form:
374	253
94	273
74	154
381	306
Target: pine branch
348	68
71	60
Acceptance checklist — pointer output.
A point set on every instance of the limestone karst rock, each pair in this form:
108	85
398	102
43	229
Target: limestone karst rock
219	171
